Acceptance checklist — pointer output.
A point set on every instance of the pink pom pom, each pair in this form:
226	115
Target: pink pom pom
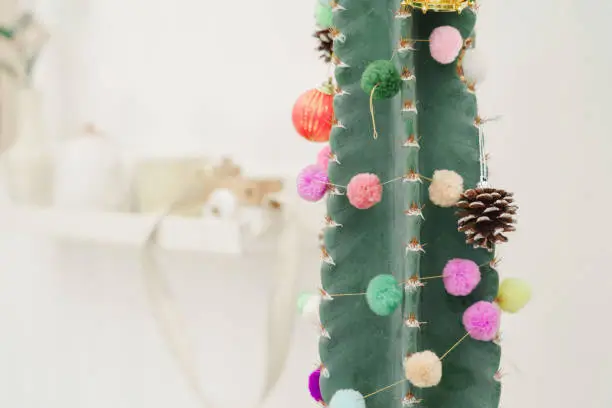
445	43
364	191
323	157
312	183
461	276
481	320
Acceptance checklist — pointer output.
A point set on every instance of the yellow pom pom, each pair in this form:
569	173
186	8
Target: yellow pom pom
513	295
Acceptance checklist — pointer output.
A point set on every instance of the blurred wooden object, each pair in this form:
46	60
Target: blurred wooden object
187	184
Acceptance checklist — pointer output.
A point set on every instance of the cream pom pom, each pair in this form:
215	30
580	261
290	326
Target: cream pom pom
474	66
446	188
423	369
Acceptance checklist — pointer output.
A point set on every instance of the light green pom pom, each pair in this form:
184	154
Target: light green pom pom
383	75
323	15
383	295
302	300
513	295
347	399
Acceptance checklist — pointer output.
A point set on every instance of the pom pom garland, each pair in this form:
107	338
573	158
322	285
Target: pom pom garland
347	399
446	188
461	276
445	43
314	386
513	295
484	214
383	295
481	320
364	191
312	183
382	79
423	369
323	157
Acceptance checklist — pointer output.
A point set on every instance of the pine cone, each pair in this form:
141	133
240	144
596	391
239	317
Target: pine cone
485	214
326	44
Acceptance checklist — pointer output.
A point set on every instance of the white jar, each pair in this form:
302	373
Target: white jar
90	174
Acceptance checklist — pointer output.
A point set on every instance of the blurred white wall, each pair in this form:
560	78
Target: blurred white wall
183	76
214	78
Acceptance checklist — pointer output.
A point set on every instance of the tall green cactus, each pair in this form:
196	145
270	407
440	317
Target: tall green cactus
364	351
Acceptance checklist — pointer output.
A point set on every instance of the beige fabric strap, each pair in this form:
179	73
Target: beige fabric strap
280	319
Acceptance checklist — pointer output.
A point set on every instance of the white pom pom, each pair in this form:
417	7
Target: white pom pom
474	66
222	203
446	188
311	310
423	369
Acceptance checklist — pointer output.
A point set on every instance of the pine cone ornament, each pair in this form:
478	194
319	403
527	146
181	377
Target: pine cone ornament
326	44
485	215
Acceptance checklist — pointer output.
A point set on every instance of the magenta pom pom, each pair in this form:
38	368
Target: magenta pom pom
312	183
481	320
461	276
323	157
313	385
364	191
445	43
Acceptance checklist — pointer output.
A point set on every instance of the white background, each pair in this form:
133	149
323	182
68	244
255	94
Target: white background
219	77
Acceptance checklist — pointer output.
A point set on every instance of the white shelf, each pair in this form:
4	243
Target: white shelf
175	233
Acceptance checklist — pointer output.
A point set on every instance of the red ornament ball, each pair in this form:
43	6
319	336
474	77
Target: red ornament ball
313	113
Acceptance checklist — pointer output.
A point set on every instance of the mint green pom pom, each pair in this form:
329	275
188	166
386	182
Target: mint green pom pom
383	75
323	15
302	300
383	295
347	399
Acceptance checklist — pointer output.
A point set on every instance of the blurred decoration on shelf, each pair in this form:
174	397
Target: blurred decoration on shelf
196	187
222	203
27	162
20	46
30	37
10	63
90	174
